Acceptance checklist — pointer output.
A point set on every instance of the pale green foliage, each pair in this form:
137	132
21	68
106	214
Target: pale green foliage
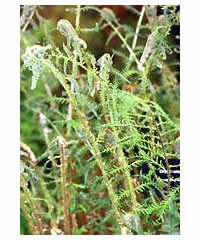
33	61
65	27
149	47
107	130
105	63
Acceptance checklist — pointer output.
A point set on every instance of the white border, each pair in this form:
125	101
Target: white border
10	122
190	120
101	2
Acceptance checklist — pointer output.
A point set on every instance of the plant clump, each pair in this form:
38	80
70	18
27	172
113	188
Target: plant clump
100	121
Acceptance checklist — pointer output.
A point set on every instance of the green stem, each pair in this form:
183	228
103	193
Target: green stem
32	204
28	216
138	28
78	11
64	185
136	35
93	148
125	167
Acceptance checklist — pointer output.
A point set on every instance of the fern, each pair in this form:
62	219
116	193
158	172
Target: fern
105	127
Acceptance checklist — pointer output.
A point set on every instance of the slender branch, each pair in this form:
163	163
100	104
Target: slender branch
74	222
119	35
70	108
32	204
125	43
49	93
125	167
165	155
138	28
24	147
72	88
28	216
64	184
78	11
136	35
27	10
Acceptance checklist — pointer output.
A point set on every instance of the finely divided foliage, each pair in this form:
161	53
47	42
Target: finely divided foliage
108	124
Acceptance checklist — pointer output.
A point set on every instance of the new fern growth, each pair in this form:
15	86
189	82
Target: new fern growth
108	137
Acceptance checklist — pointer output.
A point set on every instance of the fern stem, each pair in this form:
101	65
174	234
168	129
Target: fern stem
96	153
47	196
24	147
64	185
93	148
125	43
49	93
136	35
138	28
70	111
119	35
45	130
28	216
128	183
26	9
32	204
165	155
78	11
72	86
126	169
